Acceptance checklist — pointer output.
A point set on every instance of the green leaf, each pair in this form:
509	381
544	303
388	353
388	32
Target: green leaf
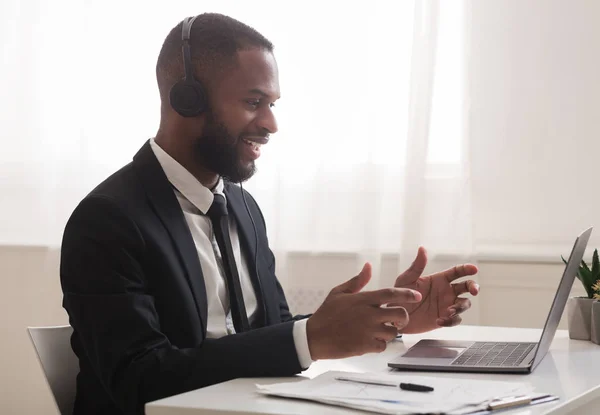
587	280
587	276
584	265
583	282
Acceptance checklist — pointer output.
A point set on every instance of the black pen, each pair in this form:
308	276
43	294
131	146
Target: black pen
415	388
404	386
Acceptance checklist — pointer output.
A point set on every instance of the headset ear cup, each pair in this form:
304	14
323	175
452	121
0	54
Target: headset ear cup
188	98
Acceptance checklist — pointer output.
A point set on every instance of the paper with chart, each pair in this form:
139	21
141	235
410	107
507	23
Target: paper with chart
449	394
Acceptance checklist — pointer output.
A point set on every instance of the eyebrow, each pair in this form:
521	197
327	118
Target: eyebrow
261	92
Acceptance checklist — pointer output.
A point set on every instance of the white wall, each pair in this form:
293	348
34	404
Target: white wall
535	122
30	295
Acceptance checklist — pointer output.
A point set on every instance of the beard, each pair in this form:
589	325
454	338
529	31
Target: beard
219	151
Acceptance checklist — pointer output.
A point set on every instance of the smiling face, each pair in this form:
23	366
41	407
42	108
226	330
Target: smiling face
241	117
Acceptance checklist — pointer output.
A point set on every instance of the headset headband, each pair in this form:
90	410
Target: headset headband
187	55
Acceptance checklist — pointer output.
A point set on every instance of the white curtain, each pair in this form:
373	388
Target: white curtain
371	158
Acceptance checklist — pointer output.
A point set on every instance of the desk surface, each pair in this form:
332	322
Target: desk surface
571	370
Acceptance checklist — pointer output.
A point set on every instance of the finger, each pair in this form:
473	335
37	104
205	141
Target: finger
391	295
473	288
398	316
355	284
460	306
449	322
464	287
377	346
459	271
386	333
414	271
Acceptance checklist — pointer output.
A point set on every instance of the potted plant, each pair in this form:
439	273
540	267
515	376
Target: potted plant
579	309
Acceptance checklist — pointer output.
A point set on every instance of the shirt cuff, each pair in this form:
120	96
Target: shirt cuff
301	343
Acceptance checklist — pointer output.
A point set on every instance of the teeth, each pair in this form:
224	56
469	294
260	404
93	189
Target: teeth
252	143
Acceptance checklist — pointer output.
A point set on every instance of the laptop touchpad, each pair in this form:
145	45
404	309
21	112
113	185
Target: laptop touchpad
436	352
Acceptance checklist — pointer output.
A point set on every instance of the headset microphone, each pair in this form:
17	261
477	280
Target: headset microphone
188	98
264	307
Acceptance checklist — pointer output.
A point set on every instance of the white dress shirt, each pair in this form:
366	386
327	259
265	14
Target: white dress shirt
195	199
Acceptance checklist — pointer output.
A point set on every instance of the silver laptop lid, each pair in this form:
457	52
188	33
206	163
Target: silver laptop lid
561	296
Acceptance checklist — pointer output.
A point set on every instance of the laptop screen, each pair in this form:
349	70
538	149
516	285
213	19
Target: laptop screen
562	294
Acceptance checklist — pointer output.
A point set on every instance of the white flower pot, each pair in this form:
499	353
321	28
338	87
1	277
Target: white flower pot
579	312
595	322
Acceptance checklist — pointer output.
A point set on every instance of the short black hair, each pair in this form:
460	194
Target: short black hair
215	40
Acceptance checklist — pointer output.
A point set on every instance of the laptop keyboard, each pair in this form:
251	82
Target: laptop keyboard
494	354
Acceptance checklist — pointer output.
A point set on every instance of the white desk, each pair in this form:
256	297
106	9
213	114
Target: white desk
571	370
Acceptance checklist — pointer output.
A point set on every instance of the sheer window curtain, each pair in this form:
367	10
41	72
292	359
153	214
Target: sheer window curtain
370	162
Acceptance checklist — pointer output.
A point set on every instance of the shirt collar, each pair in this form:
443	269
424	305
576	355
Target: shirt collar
185	182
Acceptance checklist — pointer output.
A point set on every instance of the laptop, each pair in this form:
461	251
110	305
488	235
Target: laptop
495	357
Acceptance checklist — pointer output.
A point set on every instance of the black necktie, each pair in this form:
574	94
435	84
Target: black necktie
218	216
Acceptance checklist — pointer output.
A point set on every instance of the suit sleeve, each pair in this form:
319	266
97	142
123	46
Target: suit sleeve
111	309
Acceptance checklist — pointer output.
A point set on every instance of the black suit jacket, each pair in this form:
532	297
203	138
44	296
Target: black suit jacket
135	295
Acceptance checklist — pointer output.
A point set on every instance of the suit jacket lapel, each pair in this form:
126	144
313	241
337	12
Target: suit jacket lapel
163	199
235	204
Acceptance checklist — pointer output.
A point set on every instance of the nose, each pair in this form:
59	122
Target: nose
267	121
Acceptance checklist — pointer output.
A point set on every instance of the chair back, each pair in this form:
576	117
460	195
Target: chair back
59	362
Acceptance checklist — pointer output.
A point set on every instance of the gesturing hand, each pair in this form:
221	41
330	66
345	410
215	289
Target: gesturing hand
351	323
441	305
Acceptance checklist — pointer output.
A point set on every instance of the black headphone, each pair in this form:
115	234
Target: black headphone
188	96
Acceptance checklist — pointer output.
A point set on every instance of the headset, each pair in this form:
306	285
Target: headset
188	98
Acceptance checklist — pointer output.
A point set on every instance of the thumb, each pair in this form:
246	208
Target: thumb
415	270
355	284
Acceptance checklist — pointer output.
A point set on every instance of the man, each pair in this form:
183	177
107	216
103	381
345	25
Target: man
161	297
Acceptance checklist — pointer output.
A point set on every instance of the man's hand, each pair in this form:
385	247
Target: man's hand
441	305
351	323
